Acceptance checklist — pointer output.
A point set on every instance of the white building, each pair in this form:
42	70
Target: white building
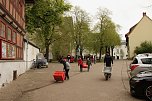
10	70
120	52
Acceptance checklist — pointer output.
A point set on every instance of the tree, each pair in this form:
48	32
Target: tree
107	36
44	19
81	28
145	47
64	45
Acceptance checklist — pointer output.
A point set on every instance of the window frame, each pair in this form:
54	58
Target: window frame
10	40
4	31
12	44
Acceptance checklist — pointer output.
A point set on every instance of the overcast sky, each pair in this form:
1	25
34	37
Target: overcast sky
126	13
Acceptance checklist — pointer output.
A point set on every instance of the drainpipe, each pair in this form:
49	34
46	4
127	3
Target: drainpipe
27	56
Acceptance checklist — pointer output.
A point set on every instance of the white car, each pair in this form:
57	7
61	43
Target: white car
141	62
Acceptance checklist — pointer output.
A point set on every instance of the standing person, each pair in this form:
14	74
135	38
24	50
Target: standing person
88	63
66	68
108	60
68	58
80	63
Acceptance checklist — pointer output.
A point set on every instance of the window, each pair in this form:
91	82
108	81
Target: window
14	37
4	49
8	51
146	60
9	34
11	51
19	53
2	29
135	61
18	39
11	43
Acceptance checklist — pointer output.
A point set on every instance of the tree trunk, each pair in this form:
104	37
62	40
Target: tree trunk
100	54
112	50
76	51
47	52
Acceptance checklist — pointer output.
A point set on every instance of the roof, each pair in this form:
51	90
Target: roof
25	40
133	27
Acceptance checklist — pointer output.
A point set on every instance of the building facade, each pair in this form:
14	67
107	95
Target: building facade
12	46
120	52
140	32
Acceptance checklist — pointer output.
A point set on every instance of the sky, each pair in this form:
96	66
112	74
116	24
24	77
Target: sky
125	13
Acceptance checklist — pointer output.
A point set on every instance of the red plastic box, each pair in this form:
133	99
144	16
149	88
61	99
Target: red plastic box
84	66
59	75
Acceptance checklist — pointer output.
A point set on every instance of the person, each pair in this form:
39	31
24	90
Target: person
80	63
88	63
68	58
108	60
66	68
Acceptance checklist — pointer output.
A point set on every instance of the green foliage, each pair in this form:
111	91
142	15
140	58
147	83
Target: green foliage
145	47
106	32
43	21
64	45
81	28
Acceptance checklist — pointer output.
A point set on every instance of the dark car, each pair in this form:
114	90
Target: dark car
41	61
141	85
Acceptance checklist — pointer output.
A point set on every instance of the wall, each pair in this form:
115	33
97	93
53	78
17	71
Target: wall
21	66
141	33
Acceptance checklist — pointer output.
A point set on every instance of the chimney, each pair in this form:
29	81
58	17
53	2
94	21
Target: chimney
144	13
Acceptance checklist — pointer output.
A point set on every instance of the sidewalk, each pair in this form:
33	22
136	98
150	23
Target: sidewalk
30	81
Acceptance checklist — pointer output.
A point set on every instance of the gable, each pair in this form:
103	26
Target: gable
143	23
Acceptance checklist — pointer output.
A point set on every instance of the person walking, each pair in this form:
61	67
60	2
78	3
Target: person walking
80	63
108	61
66	68
88	63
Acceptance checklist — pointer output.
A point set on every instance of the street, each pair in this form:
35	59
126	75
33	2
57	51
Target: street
87	86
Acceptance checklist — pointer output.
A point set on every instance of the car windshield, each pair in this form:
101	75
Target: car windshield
146	60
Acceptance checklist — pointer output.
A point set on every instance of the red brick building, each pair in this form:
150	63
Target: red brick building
12	28
15	53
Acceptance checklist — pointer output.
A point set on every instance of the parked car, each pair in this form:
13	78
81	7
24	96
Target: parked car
142	60
141	85
41	61
71	59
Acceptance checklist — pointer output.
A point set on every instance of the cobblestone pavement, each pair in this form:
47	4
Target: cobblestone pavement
39	85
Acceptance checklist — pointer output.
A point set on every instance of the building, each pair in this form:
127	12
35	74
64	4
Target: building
120	52
140	32
13	60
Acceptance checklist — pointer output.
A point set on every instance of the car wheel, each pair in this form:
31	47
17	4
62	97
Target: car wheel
148	93
39	66
47	66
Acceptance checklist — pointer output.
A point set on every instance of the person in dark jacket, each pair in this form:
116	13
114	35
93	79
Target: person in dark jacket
88	63
108	60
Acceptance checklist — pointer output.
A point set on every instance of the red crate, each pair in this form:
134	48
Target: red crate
59	75
84	66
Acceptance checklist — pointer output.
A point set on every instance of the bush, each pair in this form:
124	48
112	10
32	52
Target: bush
145	47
